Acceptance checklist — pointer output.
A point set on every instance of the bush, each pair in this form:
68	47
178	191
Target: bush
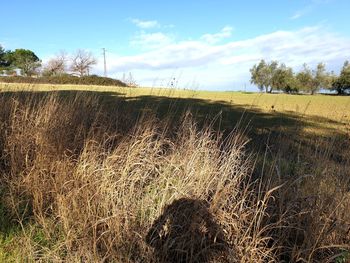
65	79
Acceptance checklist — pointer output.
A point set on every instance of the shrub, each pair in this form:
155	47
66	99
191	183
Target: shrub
65	79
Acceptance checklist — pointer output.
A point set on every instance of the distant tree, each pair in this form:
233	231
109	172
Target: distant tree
272	70
331	79
272	76
313	80
262	74
130	81
341	84
82	62
283	79
4	58
322	78
305	79
56	66
258	75
25	60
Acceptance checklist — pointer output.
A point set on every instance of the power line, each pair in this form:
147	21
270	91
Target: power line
104	62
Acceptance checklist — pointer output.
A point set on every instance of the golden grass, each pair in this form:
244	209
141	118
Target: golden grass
81	181
319	107
333	107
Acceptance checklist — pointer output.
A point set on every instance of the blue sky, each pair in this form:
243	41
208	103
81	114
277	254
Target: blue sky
203	44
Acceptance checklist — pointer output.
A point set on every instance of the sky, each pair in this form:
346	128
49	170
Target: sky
202	44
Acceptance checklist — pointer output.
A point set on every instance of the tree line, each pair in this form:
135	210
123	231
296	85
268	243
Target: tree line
275	76
29	63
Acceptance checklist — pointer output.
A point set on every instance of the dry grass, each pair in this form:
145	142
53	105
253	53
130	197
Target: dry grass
82	183
333	107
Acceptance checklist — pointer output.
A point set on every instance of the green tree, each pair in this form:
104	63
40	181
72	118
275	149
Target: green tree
25	60
262	75
283	79
313	80
305	79
342	83
4	58
322	78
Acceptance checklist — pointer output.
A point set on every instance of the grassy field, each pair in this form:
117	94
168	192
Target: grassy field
316	105
109	174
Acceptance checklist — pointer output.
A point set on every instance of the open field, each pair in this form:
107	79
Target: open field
316	105
109	174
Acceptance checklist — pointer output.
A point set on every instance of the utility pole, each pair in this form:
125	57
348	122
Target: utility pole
104	62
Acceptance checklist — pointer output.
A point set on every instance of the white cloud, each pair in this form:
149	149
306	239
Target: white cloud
302	12
295	16
145	24
215	38
145	40
309	8
223	65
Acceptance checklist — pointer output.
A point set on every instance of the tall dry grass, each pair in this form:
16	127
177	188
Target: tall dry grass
89	184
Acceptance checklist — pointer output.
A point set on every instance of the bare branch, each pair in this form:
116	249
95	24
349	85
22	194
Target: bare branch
56	65
82	62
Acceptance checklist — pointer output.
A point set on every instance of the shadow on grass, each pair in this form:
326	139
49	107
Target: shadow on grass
279	134
222	116
186	232
273	132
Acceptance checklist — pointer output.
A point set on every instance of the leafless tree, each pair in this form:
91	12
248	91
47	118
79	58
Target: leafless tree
56	65
82	62
130	81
